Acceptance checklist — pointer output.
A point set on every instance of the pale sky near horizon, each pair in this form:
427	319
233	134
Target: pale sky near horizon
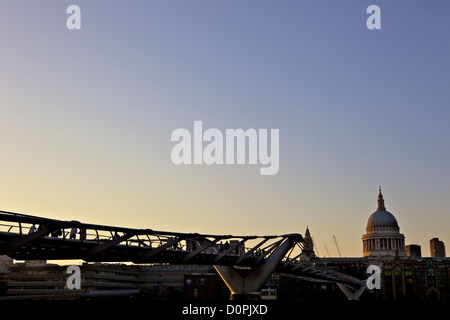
86	115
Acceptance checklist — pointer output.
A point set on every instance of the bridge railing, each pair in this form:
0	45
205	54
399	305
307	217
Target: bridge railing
21	224
15	224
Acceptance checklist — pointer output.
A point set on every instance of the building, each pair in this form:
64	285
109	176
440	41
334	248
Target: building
5	263
437	248
383	237
308	246
50	280
110	280
416	279
207	286
165	281
308	240
413	250
405	274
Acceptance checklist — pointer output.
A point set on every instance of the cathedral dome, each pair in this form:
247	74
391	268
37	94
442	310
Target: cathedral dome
382	219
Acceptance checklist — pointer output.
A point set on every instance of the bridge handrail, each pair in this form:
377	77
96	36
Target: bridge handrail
63	224
99	233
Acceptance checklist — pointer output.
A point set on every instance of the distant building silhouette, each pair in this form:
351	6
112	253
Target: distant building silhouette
308	240
308	248
437	248
413	250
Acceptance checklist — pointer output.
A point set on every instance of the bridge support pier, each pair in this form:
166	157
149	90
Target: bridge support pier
351	293
245	283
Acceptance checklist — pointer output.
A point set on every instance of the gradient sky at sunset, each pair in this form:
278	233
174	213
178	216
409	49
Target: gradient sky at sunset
86	115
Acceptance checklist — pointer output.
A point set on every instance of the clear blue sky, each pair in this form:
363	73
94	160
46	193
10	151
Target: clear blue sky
86	115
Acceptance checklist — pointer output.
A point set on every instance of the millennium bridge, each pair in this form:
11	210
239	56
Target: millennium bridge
244	262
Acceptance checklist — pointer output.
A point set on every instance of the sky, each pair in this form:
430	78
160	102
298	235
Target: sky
86	116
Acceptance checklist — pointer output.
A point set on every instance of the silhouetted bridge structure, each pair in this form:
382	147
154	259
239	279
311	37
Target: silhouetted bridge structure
244	268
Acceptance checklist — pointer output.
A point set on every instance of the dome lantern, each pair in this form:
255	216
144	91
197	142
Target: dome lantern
381	206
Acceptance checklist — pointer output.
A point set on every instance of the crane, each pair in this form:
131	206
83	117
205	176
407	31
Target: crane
327	250
335	241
